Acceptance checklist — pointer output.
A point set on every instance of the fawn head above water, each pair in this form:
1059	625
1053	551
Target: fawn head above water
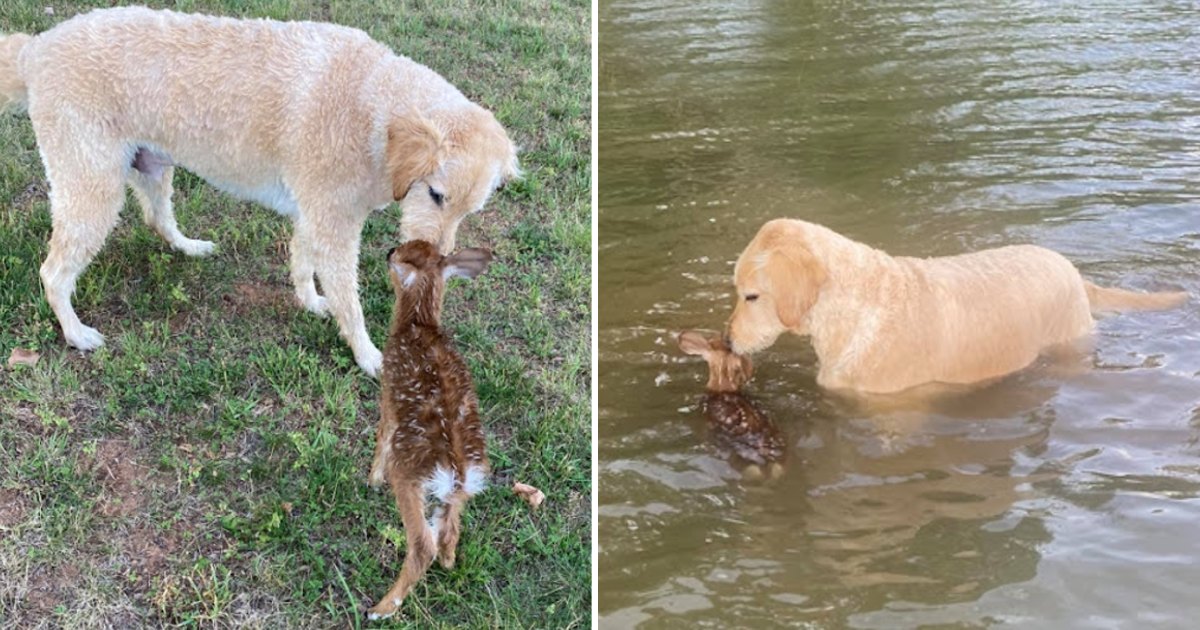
727	372
418	273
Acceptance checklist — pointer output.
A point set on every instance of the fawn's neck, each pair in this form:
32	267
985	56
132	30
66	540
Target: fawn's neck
406	317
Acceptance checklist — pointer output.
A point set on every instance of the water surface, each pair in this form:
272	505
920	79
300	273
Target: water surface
1067	495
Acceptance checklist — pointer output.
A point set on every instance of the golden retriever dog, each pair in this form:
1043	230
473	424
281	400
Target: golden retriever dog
882	324
316	121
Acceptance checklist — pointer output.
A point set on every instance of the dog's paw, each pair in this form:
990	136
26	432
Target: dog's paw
193	247
317	305
370	360
84	338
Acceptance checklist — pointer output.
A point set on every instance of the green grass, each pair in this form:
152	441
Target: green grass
206	467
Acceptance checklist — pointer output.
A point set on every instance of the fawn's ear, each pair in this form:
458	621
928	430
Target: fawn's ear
405	273
692	342
466	263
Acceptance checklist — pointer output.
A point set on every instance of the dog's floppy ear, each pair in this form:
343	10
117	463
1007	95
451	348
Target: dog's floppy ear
692	342
416	148
795	276
467	263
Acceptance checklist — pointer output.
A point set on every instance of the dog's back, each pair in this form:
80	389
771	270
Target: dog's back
239	102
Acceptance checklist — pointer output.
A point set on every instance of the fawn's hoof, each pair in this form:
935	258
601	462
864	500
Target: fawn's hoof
753	472
774	471
381	612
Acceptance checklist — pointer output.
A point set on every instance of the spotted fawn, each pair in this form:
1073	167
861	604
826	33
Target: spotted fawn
429	446
733	419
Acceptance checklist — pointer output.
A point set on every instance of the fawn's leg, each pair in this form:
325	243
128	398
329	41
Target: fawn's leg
421	544
448	530
383	441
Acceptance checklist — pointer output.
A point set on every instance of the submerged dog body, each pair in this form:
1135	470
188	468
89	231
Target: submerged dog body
316	121
883	324
429	444
735	421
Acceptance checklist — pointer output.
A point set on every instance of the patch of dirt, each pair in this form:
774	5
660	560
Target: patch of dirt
12	507
502	433
26	419
148	549
251	296
51	586
24	200
117	470
84	408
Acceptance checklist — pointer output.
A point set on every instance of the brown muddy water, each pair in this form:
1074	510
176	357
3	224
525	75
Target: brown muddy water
1067	496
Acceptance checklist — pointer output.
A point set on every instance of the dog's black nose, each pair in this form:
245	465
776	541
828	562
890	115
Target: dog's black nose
390	252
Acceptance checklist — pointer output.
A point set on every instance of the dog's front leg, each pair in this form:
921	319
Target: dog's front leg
335	254
303	268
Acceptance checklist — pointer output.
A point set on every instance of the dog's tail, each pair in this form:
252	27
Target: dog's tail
13	92
1106	299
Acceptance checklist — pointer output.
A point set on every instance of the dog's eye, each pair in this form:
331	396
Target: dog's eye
750	297
437	197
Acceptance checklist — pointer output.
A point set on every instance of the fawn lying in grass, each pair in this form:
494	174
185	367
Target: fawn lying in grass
734	420
429	442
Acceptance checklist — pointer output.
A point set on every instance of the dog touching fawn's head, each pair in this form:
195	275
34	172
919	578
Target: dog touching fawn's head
778	280
734	420
444	169
727	372
418	273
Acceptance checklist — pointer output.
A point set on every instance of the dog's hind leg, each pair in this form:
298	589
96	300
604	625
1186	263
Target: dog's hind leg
86	195
150	178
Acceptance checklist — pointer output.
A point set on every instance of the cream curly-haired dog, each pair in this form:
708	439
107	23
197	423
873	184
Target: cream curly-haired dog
317	121
883	324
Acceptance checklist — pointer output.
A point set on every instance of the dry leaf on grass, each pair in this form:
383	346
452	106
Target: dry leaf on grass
21	356
530	494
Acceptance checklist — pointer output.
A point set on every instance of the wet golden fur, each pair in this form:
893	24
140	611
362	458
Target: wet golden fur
316	121
883	324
